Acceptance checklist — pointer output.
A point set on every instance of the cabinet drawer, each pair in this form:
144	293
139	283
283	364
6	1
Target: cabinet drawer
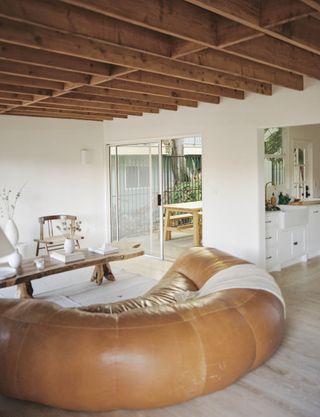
271	237
272	221
272	257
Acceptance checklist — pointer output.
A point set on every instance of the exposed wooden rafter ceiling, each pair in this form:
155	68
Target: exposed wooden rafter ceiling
105	59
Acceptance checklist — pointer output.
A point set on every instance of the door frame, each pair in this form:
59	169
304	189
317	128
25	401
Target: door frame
309	163
160	188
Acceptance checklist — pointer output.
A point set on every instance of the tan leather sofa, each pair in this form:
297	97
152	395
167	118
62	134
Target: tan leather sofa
148	352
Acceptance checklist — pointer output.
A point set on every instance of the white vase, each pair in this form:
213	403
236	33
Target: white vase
15	259
12	232
69	246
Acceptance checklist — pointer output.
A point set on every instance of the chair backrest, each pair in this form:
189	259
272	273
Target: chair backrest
46	222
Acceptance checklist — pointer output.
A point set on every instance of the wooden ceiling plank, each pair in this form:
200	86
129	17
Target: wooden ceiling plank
37	37
16	96
70	19
303	31
106	92
30	82
315	4
102	104
177	18
35	71
238	65
116	100
280	55
53	60
275	12
24	90
179	84
10	101
80	111
55	115
122	85
62	106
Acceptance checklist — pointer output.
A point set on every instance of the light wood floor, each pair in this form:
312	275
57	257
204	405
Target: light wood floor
287	385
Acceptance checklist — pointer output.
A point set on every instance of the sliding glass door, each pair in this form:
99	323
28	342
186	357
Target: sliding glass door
134	195
150	180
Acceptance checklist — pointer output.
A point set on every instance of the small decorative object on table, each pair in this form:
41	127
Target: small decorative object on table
69	229
8	208
63	256
15	259
39	263
6	249
105	249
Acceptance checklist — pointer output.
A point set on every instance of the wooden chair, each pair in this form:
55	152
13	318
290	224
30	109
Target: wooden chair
50	241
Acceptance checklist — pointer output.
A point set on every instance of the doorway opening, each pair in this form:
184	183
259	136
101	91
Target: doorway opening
156	195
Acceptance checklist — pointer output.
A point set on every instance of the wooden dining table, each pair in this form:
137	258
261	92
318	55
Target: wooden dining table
172	211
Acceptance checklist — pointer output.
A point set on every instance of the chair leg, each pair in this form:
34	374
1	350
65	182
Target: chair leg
37	248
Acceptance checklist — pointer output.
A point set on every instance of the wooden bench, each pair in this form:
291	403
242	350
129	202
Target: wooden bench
172	225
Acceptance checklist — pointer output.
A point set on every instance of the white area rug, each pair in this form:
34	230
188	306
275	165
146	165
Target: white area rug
127	285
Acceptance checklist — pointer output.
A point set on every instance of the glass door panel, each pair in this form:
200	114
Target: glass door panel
134	186
301	169
182	194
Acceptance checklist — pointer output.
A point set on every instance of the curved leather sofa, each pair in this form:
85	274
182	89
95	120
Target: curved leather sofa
148	352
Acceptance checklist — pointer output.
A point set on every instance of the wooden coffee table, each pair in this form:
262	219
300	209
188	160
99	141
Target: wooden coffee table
28	271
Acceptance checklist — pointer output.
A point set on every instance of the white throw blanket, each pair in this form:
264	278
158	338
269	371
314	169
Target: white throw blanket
242	276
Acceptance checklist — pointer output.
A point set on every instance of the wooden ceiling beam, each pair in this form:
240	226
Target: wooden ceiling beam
177	18
123	85
179	84
261	15
25	90
273	13
55	115
30	82
80	111
53	60
280	55
70	19
35	71
117	100
10	101
16	96
62	106
238	65
104	91
39	38
102	105
303	31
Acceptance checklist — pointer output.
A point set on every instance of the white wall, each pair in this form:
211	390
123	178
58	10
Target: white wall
45	153
233	177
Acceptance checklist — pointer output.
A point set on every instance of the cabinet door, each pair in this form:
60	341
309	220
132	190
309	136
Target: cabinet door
314	229
285	246
298	242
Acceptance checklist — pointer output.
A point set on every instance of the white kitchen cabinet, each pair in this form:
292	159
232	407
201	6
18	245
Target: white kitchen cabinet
285	246
313	231
292	245
271	241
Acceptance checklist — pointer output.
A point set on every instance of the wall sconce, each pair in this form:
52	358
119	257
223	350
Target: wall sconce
84	156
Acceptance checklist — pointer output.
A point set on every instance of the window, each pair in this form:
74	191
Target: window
274	156
137	177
